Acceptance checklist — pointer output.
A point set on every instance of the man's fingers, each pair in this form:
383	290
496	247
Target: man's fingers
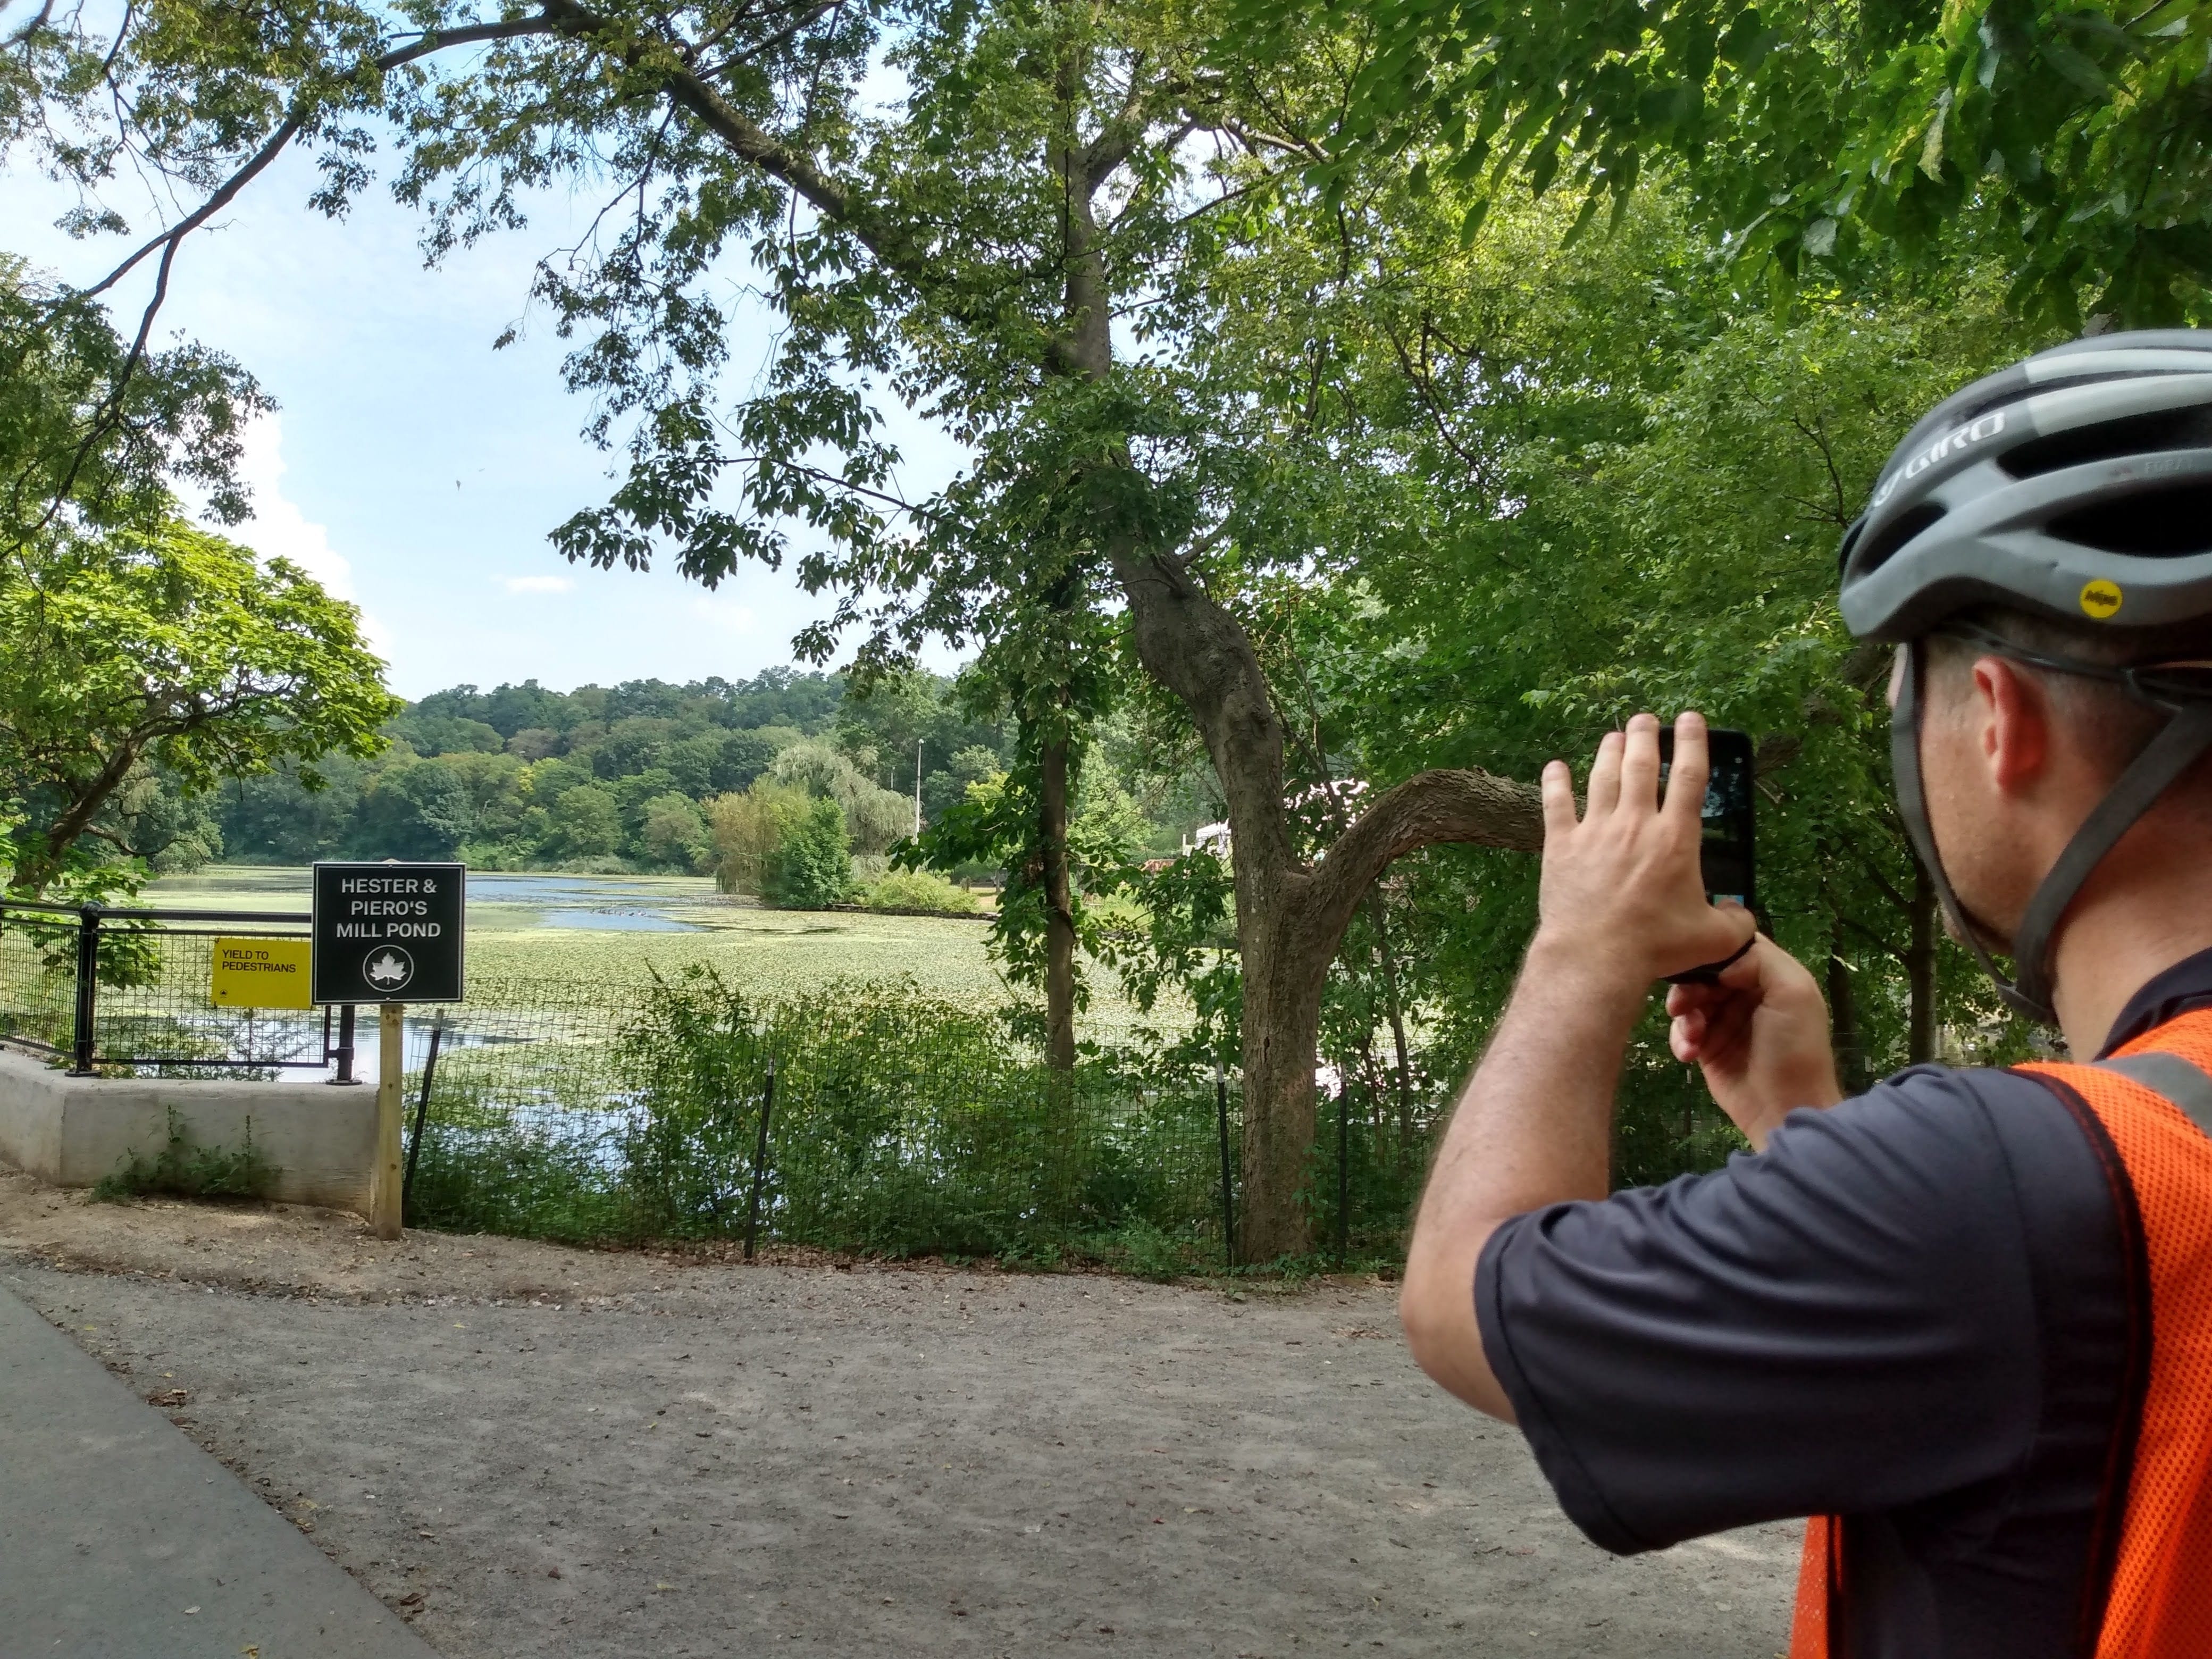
1604	776
1684	1034
1639	764
1747	971
1692	768
1559	799
1687	995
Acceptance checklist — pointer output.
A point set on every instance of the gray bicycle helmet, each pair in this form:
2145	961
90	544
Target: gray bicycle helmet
2077	485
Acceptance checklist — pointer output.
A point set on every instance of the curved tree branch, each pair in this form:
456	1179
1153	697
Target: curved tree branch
1468	806
258	161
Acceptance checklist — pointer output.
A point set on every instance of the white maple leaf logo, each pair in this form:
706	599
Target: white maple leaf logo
387	970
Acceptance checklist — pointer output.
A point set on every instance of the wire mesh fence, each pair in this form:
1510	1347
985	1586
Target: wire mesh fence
859	1117
131	990
865	1117
38	989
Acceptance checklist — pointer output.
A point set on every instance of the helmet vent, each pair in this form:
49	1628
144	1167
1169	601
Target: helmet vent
2159	430
2153	524
1899	531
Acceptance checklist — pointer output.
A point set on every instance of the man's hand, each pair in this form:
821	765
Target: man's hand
1761	1036
1622	904
1622	887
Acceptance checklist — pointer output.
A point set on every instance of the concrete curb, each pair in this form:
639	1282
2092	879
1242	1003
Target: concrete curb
73	1131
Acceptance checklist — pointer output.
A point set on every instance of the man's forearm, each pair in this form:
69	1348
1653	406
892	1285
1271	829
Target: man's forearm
1622	905
1533	1126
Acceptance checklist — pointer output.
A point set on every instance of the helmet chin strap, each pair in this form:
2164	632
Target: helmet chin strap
2179	743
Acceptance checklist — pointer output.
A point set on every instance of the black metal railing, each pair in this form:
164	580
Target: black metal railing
130	987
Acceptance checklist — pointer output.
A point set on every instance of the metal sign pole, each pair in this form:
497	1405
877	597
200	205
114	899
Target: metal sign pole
422	1115
388	1187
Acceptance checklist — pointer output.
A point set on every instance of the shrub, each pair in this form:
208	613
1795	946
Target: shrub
190	1172
918	890
812	865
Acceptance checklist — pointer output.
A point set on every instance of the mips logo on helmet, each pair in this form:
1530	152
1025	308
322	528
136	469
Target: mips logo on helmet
2100	600
1958	438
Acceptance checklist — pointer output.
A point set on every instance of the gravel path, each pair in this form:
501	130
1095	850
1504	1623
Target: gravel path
537	1451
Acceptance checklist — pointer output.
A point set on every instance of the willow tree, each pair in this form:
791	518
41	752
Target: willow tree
1008	247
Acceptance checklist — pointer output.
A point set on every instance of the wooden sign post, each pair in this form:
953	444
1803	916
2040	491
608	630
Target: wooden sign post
388	934
391	1068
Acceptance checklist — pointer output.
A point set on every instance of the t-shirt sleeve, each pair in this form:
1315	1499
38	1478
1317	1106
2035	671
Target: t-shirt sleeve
1846	1322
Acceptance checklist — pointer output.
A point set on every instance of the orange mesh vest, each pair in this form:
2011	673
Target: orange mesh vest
2159	1562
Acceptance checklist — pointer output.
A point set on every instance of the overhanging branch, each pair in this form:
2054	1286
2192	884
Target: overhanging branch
1464	806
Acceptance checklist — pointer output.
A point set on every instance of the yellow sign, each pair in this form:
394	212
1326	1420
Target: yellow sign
2100	600
260	973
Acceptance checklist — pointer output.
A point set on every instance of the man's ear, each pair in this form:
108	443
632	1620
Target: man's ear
2012	711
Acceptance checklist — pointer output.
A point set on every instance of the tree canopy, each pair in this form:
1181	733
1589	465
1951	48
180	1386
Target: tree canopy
179	650
2065	137
1324	464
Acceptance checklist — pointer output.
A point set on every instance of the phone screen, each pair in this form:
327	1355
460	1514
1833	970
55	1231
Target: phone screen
1727	853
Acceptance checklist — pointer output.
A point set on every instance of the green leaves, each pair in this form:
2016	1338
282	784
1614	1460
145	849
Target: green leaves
82	448
177	649
2065	138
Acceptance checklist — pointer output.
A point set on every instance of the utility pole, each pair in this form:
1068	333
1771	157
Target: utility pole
917	785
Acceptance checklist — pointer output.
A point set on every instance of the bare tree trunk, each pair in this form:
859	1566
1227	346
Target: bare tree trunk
1379	913
1920	970
1060	910
1844	1033
1281	1032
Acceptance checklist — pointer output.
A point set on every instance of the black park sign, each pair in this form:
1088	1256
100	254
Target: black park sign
388	933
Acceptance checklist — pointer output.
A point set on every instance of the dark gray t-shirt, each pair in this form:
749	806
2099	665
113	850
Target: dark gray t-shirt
1911	1311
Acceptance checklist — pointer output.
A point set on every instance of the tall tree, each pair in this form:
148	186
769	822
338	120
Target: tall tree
975	247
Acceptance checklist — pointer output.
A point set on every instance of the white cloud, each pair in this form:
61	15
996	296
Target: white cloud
538	584
723	613
279	530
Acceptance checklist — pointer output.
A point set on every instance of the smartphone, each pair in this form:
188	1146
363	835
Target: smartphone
1726	855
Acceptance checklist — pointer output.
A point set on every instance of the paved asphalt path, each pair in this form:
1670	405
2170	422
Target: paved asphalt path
119	1537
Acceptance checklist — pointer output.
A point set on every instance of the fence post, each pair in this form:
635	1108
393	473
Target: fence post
87	990
345	1046
1343	1165
1228	1195
422	1111
390	1066
760	1160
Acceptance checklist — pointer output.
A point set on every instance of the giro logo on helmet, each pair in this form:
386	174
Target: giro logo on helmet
1958	438
2100	600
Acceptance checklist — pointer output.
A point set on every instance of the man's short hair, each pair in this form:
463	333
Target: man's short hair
2099	713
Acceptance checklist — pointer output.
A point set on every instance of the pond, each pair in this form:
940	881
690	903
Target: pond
499	901
618	921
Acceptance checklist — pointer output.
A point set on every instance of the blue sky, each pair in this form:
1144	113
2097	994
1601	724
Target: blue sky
416	470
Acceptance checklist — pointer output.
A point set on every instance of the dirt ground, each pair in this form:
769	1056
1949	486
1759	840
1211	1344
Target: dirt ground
531	1450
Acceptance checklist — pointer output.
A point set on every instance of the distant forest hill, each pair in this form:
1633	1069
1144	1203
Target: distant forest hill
607	778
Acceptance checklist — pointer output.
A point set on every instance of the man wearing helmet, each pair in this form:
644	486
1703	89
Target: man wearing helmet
1963	1321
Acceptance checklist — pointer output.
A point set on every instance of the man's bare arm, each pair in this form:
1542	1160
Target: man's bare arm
1622	904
